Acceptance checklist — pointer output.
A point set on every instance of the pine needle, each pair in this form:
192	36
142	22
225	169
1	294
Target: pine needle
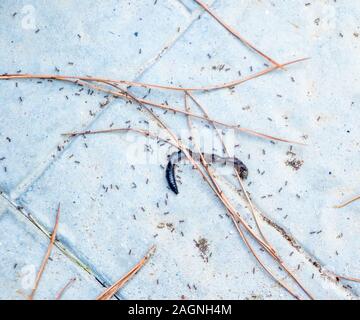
62	291
110	292
47	255
347	202
75	79
235	33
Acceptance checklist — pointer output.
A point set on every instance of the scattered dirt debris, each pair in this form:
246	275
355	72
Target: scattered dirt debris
203	245
293	162
169	226
255	297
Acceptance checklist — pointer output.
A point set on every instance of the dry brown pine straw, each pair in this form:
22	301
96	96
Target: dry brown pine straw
213	122
47	255
110	292
274	254
221	196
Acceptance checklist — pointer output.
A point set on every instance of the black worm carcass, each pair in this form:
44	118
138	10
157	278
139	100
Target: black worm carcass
177	156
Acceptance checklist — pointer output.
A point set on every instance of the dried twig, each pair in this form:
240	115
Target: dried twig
142	102
235	216
145	133
110	292
235	33
240	222
84	81
47	255
234	127
235	171
348	278
211	183
62	291
347	202
210	179
148	85
211	175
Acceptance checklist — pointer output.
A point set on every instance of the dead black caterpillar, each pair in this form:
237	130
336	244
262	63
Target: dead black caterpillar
170	172
177	156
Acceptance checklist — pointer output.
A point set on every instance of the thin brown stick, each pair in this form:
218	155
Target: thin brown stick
143	102
47	255
271	250
62	291
234	127
233	214
233	217
348	202
235	33
110	292
175	110
125	94
242	235
348	278
252	210
148	85
145	133
210	181
226	85
279	258
191	159
122	95
213	184
217	190
282	283
181	147
236	218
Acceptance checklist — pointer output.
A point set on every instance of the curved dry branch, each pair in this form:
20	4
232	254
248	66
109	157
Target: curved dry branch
347	202
47	255
230	84
235	33
110	292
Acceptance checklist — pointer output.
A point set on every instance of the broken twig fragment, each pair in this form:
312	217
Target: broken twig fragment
347	202
235	33
62	291
109	292
47	255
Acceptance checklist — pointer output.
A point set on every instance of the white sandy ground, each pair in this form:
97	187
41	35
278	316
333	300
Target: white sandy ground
176	43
